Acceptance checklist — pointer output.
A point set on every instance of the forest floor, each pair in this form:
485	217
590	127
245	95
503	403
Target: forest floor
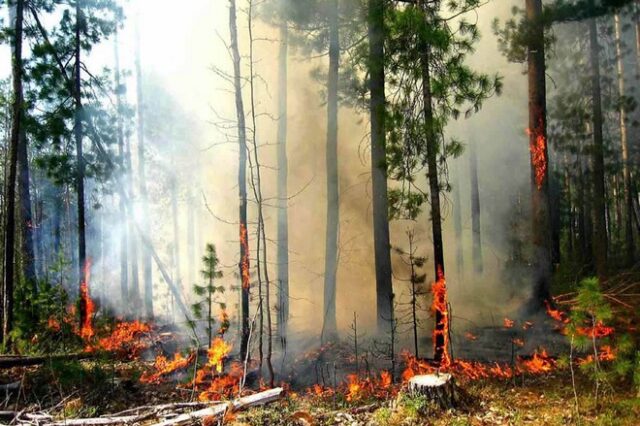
86	389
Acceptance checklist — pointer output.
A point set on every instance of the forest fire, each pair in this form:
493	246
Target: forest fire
598	331
86	304
164	367
538	148
440	308
217	352
125	338
244	242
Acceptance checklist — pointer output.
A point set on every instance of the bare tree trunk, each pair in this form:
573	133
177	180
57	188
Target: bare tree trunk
598	198
433	146
191	234
79	113
475	209
177	279
329	327
283	176
626	173
457	224
242	179
124	267
17	121
540	209
144	198
381	238
27	251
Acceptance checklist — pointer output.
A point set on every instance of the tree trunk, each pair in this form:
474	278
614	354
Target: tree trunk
177	279
144	198
27	251
381	239
124	267
598	195
475	210
457	224
78	131
441	355
540	209
191	235
283	191
17	121
329	327
626	173
242	179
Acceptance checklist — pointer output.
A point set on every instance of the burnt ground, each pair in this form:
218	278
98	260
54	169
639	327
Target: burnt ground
94	388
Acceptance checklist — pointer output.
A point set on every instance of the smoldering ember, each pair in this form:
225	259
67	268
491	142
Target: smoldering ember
320	212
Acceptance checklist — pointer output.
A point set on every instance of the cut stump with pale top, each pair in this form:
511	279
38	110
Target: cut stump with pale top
438	388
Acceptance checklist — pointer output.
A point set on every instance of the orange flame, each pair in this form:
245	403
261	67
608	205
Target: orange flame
164	367
598	331
86	328
125	339
441	331
470	336
508	323
555	313
217	352
244	241
539	363
538	148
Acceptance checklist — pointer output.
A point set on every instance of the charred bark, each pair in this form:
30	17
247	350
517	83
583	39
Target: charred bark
283	189
243	265
79	136
381	239
540	197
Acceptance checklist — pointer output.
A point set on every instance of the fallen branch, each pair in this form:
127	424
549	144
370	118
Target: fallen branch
221	409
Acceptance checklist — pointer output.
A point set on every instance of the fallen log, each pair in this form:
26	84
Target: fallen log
440	389
220	410
11	361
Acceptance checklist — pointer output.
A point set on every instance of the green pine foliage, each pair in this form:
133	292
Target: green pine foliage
208	293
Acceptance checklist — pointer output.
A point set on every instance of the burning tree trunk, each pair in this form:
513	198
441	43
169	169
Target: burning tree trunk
283	175
441	330
329	328
79	112
540	208
17	111
475	210
599	220
242	178
384	285
144	199
626	173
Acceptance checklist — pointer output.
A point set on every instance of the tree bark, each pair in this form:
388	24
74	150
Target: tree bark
176	232
243	265
283	190
539	154
475	209
381	238
144	197
433	147
79	136
624	148
329	327
17	121
598	198
457	224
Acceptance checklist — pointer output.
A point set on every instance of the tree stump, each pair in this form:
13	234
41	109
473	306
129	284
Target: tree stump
441	389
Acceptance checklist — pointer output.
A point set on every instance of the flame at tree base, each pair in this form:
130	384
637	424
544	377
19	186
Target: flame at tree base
440	307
